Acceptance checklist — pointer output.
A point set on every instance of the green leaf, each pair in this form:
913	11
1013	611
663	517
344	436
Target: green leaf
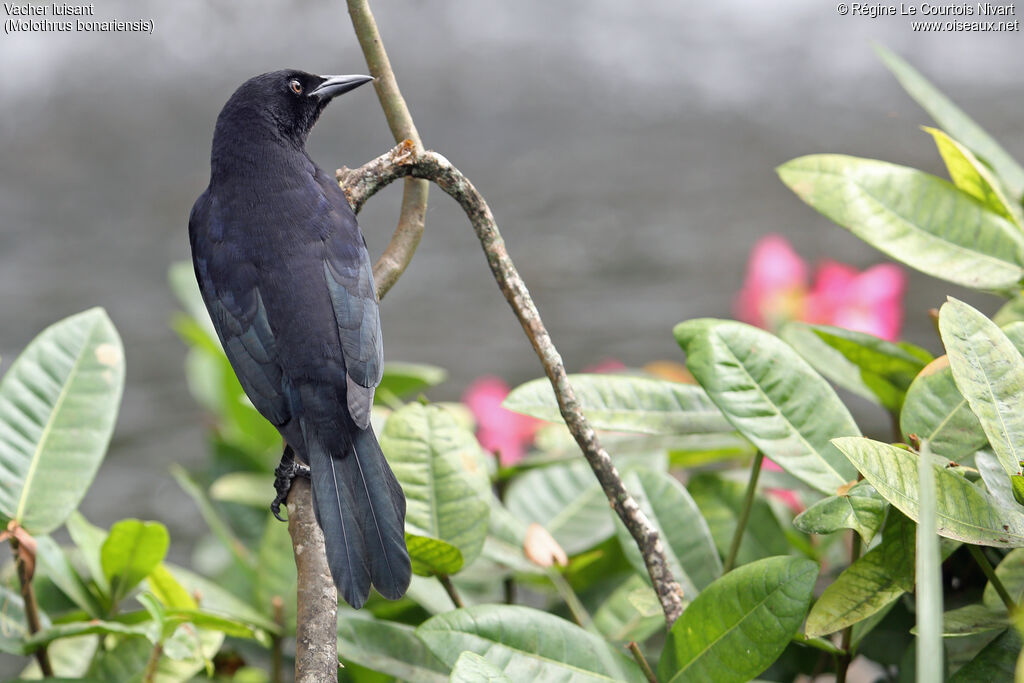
437	461
53	563
953	120
213	519
720	503
89	538
567	501
912	216
631	612
1017	482
81	628
58	404
989	372
741	623
432	556
181	276
772	396
626	404
973	619
934	410
15	625
860	509
472	668
132	550
388	647
996	481
526	645
404	379
244	488
685	536
974	177
928	576
126	661
996	662
870	584
885	369
1011	573
167	589
216	600
964	512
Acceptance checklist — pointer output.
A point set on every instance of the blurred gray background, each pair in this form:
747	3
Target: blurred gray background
627	150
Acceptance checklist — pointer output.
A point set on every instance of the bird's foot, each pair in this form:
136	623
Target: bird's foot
284	475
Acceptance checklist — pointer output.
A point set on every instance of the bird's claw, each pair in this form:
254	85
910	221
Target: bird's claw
285	473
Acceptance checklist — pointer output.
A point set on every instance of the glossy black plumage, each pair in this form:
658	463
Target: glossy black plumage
286	277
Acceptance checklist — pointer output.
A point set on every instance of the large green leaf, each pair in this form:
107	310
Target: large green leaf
1011	573
472	668
567	501
721	502
214	598
964	512
130	552
772	396
954	121
914	217
935	410
989	372
437	461
865	364
860	509
526	645
974	177
388	647
996	662
685	536
868	585
275	572
740	624
58	404
626	404
54	564
973	619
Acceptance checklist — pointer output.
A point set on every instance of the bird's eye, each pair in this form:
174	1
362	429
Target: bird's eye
295	86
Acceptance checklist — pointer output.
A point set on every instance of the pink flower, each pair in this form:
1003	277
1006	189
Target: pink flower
500	431
776	290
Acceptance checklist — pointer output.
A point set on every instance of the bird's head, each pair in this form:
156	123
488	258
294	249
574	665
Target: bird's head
288	101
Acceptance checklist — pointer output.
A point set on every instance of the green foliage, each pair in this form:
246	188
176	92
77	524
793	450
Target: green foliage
877	521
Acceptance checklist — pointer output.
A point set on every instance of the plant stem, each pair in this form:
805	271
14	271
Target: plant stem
990	574
28	596
642	661
741	523
397	255
576	609
846	641
362	183
154	659
449	588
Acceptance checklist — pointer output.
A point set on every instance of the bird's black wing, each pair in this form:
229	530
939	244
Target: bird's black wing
349	276
238	313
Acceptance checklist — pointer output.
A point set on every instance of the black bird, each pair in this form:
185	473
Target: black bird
286	277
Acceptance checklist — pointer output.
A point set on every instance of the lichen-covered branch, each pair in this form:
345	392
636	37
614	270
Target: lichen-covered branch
316	633
405	160
393	262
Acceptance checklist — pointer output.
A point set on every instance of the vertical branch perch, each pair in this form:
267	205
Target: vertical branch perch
316	633
393	262
362	183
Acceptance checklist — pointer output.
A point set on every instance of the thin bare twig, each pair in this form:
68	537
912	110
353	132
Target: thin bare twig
24	548
316	631
362	183
634	650
396	257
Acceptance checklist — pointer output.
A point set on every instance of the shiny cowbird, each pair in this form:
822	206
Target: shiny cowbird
285	274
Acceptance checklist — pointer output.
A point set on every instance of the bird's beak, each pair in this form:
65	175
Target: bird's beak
337	85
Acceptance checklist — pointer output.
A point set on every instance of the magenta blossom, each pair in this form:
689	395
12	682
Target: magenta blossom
500	431
777	290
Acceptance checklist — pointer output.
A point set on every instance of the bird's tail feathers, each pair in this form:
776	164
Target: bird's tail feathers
361	509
